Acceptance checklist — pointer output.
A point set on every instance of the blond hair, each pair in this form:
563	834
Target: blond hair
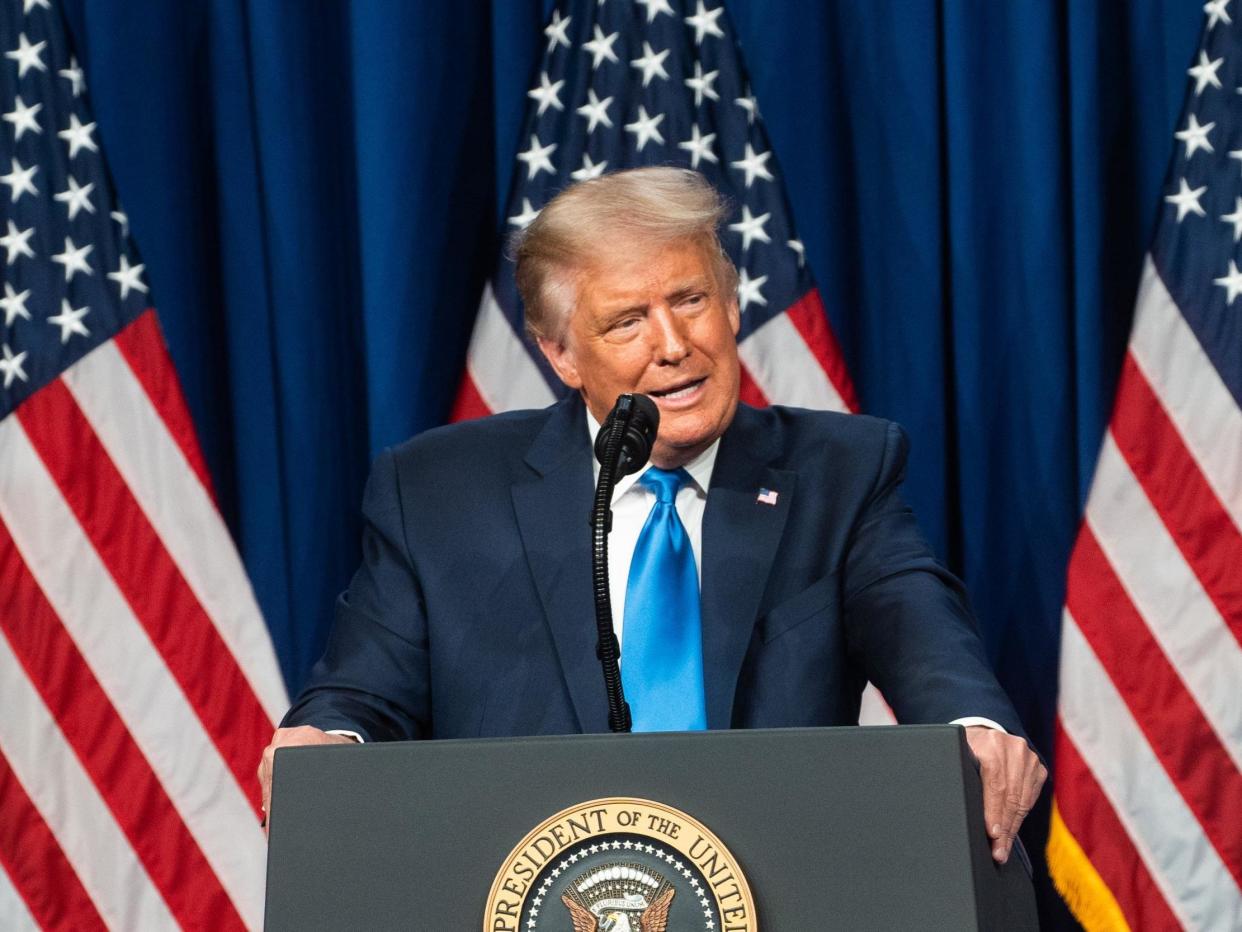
579	226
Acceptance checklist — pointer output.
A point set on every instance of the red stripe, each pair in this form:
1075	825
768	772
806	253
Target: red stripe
1202	528
41	873
811	321
750	392
142	345
149	579
469	403
102	742
1090	818
1178	733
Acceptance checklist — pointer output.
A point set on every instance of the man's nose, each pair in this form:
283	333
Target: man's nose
668	333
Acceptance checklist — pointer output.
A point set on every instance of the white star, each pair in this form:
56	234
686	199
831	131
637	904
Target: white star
23	118
76	197
645	128
69	320
699	147
120	217
17	243
589	169
74	259
14	304
704	23
1195	136
74	75
796	246
601	47
1232	283
701	84
1235	218
751	228
78	136
1216	12
19	180
528	214
1187	201
27	56
754	164
537	157
11	366
127	276
547	93
749	104
556	30
1204	73
655	8
596	111
651	64
28	5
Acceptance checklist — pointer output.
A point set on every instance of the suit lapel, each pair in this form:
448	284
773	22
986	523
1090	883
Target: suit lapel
740	538
553	512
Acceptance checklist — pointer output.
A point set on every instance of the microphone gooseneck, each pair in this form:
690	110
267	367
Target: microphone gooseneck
622	446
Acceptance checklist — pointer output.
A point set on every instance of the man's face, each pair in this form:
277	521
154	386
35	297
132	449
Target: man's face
654	321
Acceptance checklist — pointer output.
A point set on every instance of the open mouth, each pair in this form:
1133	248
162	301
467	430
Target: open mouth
684	390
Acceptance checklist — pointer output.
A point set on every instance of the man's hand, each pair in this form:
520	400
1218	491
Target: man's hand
1012	778
288	738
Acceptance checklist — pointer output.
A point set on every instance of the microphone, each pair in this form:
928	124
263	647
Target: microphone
640	420
622	446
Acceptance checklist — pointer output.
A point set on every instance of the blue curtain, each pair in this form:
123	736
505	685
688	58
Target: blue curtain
316	188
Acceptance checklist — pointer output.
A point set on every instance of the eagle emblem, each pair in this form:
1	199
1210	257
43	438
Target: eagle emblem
619	898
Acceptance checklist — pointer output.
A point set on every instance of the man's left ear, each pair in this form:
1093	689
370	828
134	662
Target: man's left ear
561	358
735	317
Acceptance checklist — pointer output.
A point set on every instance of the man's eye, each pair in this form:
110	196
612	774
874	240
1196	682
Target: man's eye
694	300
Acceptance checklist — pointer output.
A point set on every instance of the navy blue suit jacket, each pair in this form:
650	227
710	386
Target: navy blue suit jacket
471	614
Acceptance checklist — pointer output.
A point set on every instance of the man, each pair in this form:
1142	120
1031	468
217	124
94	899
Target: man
471	613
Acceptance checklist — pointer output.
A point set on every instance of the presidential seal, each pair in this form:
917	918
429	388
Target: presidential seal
620	865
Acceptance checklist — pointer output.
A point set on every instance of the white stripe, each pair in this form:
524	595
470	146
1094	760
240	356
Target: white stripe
505	376
874	710
14	916
68	802
1197	400
1184	865
785	369
180	510
131	672
1166	592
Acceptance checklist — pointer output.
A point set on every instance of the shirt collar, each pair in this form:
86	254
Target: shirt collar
699	468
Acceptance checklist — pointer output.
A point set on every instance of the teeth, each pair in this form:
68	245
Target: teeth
679	393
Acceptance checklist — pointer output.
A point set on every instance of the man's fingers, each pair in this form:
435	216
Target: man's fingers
1012	778
285	738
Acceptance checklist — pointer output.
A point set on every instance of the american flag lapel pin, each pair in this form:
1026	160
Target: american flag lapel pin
766	497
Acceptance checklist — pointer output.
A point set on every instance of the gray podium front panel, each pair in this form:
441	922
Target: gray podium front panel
835	828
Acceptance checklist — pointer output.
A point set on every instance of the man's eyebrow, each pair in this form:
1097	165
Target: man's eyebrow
685	289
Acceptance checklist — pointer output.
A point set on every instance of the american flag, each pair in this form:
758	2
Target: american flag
138	683
1147	820
659	82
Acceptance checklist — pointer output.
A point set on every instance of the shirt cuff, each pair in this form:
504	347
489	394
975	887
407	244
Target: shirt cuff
357	737
964	722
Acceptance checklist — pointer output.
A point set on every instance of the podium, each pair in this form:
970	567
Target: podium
827	828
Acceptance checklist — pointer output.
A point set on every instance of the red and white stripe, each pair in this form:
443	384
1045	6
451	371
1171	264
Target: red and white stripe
1150	705
136	673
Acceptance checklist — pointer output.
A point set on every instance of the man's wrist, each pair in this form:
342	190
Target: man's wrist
346	733
970	720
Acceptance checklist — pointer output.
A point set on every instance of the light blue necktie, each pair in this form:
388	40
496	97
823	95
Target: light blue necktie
662	644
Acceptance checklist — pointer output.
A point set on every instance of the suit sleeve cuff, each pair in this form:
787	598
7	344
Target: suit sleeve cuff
357	737
964	722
